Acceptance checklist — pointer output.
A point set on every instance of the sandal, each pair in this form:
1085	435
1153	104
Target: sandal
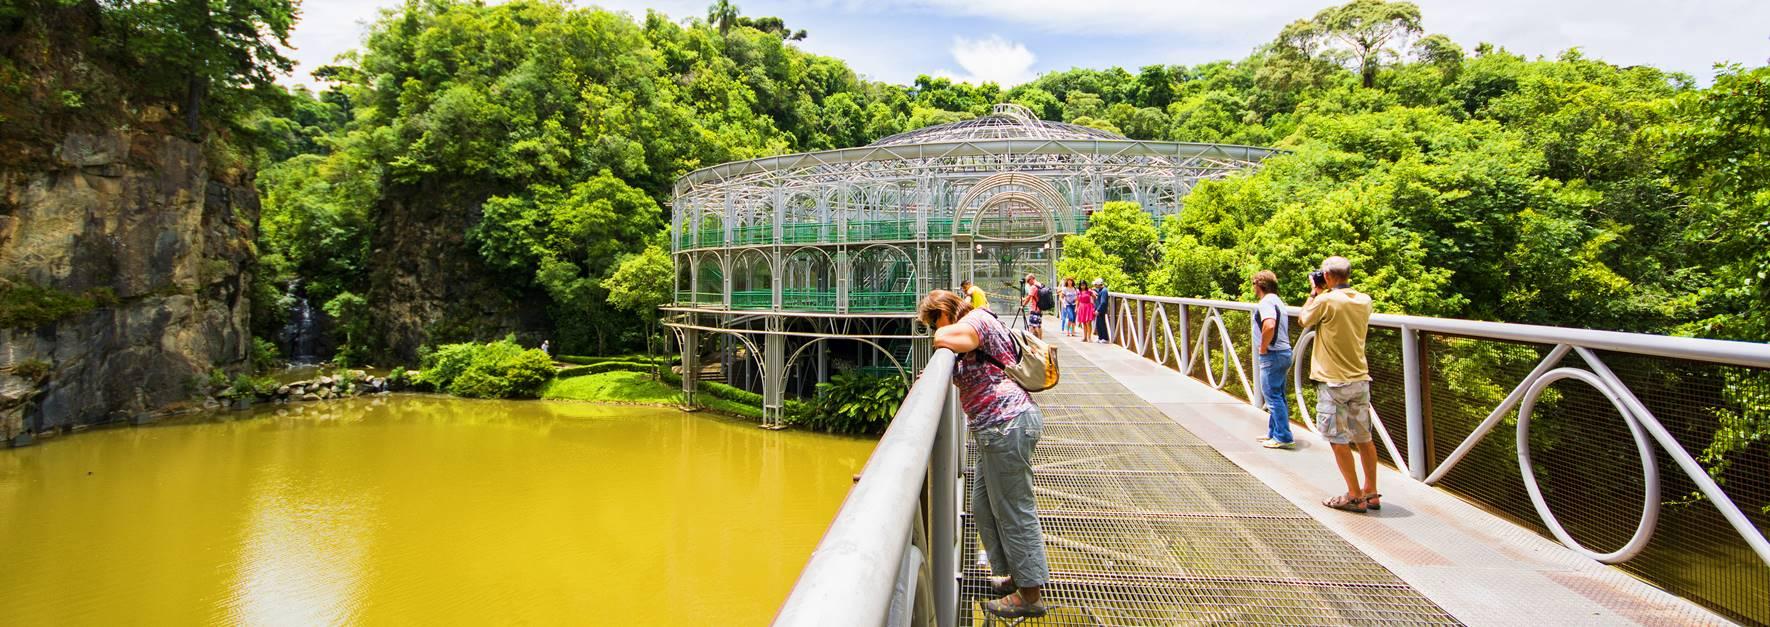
1346	504
1002	586
1018	609
1372	502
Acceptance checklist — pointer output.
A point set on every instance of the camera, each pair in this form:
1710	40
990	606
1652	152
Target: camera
1318	279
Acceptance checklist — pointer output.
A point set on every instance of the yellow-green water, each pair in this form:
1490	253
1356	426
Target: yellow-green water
417	510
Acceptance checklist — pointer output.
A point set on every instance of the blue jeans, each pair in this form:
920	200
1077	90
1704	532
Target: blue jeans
1273	365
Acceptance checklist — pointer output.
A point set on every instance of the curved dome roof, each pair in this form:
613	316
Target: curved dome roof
1007	121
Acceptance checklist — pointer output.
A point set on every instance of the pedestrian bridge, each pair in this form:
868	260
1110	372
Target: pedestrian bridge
1158	505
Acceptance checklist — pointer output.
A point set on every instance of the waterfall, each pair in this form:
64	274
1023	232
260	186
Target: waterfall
299	334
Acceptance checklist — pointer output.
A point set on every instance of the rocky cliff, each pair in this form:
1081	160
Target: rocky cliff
430	285
125	259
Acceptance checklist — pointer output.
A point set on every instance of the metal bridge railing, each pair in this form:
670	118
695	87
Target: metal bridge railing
1609	468
891	555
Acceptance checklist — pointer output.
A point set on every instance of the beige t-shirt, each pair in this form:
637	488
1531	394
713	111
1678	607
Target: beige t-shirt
1340	319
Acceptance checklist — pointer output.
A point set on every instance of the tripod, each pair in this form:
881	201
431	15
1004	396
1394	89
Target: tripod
1019	307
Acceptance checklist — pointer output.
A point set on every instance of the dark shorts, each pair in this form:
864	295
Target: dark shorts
1035	318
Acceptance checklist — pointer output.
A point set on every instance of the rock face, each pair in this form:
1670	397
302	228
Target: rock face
430	285
143	217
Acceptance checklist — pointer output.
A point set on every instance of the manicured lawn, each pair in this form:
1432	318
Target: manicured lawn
612	387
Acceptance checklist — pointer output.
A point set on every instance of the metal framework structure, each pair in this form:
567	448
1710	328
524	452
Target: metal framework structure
786	242
1145	524
1660	430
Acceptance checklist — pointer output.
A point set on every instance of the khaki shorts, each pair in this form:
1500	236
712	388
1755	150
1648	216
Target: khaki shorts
1343	412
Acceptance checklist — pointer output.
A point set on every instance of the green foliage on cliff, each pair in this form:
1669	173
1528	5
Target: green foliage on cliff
25	305
81	62
570	124
501	369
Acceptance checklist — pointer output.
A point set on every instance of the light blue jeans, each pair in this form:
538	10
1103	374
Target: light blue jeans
1273	367
1002	500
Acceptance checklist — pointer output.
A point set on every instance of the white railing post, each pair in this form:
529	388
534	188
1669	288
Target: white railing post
1411	373
1185	339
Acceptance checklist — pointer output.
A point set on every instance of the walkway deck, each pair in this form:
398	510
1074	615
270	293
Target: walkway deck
1159	508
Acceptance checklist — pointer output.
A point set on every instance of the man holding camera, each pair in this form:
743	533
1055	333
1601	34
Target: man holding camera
1341	315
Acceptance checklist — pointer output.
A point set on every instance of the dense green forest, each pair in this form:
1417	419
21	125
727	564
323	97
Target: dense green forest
1462	182
1474	184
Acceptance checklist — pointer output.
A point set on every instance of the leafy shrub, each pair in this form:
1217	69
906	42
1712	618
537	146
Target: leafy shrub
605	366
244	386
730	393
852	402
732	407
264	354
241	387
501	369
585	361
614	387
218	379
399	379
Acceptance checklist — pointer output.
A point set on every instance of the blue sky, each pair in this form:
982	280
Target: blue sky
1011	41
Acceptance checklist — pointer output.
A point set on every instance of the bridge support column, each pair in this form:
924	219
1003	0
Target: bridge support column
774	375
691	361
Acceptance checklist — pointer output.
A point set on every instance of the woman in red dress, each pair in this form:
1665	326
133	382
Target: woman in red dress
1085	312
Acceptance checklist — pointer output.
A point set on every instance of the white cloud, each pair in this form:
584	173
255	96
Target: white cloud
1686	36
992	60
1118	17
327	28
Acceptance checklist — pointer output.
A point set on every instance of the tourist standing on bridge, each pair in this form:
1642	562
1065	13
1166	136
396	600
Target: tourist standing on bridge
1085	311
1069	306
1102	305
1340	315
1006	426
1037	299
979	300
1275	359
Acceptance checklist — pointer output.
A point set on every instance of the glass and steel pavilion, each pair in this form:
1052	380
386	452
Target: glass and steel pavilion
858	235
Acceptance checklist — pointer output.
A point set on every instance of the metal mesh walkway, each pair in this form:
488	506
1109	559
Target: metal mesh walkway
1145	524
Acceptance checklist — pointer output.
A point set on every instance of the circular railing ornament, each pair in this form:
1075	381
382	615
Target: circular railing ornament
1216	380
1643	446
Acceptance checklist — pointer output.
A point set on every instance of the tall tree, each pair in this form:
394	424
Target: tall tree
723	14
1359	34
221	52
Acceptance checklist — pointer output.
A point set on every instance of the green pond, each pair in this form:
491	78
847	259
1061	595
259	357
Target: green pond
417	510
